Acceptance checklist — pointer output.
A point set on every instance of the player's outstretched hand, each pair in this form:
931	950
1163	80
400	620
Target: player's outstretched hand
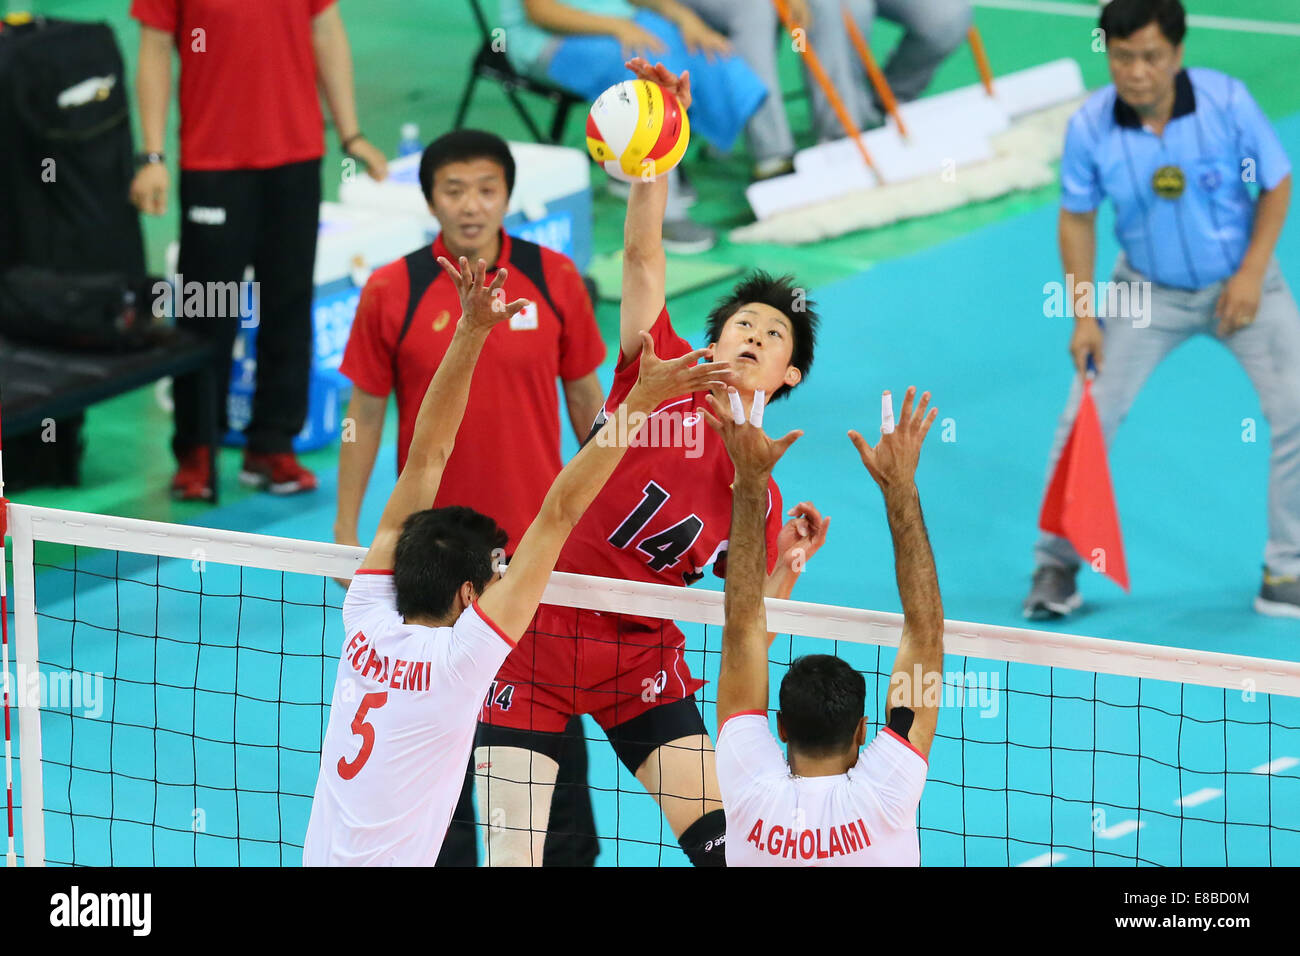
659	379
482	305
751	451
679	86
893	461
801	537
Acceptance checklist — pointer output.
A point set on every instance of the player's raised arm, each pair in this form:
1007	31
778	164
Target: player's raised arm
443	407
644	263
892	464
511	602
742	679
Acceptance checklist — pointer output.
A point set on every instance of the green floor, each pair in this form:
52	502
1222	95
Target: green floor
402	77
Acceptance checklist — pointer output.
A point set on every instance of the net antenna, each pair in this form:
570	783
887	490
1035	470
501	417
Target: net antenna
11	856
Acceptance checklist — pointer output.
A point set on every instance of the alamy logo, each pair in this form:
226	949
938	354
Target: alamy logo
207	300
75	908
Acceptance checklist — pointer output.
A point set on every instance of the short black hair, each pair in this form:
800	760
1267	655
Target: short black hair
461	145
784	294
438	550
1123	18
823	700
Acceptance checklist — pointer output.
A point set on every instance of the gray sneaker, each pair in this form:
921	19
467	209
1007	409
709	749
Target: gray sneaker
1054	594
1279	596
687	238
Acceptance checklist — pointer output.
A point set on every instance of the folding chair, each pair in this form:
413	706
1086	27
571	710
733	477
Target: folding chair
492	64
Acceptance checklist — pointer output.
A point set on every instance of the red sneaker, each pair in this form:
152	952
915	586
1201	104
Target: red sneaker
193	480
279	474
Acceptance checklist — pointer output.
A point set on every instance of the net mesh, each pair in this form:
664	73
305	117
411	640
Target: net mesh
183	701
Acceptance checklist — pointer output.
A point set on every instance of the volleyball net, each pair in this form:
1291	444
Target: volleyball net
168	689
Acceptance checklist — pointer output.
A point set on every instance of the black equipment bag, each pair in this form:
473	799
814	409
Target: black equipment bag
68	159
71	248
101	311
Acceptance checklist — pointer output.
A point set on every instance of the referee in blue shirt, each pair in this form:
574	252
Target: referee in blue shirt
1176	151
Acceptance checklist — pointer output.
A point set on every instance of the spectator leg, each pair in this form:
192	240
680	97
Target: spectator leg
934	30
1269	351
752	30
835	51
283	264
219	219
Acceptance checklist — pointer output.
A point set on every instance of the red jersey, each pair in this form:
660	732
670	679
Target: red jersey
507	451
248	80
665	513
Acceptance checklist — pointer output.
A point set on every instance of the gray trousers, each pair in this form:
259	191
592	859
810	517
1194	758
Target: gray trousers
935	28
1268	350
751	26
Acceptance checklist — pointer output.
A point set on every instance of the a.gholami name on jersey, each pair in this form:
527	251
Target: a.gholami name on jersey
807	843
397	673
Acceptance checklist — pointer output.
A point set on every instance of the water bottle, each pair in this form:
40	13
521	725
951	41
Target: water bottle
410	141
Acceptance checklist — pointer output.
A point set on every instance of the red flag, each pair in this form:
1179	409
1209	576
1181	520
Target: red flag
1079	504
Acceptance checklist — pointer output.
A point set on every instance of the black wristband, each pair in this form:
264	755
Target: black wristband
352	139
147	159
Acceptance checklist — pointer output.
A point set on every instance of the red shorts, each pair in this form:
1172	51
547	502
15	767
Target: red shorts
611	666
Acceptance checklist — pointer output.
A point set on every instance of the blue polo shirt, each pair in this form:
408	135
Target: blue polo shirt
1183	207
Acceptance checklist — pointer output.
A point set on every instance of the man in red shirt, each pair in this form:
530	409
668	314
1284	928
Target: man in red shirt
252	139
663	517
507	452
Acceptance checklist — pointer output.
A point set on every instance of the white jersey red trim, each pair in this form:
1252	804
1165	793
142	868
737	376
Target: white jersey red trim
402	720
865	817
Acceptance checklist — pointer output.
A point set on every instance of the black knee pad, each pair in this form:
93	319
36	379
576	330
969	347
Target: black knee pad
705	840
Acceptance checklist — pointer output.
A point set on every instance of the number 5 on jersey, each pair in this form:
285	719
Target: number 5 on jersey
366	732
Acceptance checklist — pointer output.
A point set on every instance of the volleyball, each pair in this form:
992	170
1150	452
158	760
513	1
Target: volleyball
637	130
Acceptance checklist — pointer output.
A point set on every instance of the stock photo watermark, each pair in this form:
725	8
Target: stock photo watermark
207	300
1129	301
664	429
974	689
83	909
74	692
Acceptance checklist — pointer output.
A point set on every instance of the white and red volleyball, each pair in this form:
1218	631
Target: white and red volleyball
637	130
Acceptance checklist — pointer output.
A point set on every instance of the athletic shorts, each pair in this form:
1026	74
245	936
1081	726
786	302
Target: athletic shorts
611	666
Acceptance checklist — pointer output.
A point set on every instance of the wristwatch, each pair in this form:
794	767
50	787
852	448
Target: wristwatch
146	159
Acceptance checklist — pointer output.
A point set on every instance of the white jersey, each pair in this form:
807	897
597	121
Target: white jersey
402	721
865	817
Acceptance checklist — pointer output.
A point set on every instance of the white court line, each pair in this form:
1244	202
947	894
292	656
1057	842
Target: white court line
1204	795
1124	828
1092	12
1277	766
1047	859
